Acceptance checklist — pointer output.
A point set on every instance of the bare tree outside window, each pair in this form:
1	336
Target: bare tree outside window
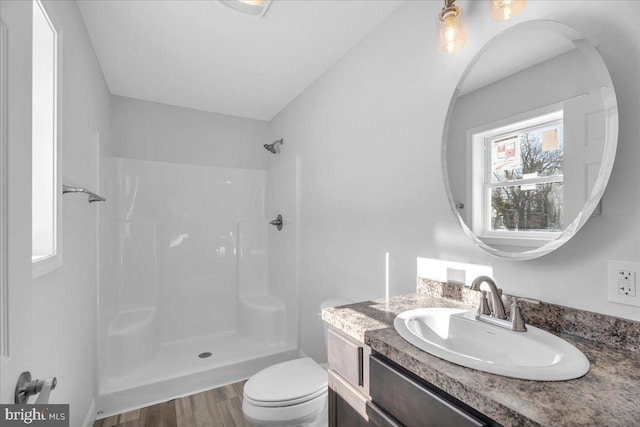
522	203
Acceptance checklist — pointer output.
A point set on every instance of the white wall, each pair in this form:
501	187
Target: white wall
369	135
62	303
150	131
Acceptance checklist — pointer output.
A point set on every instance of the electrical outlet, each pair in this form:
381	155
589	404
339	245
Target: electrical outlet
627	283
621	278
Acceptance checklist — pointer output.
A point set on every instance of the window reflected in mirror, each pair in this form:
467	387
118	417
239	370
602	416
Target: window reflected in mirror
521	191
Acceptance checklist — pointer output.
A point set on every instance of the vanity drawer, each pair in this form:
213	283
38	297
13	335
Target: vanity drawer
413	404
350	408
350	359
347	406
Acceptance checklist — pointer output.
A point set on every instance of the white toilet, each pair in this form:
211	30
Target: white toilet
289	394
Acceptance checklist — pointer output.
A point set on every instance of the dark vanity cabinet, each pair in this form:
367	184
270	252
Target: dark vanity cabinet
413	402
366	389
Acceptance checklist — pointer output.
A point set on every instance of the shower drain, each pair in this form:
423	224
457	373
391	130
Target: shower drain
204	355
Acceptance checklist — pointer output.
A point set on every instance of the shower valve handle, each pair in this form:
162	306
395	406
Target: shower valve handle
277	222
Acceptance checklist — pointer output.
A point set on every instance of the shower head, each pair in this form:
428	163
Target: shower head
272	147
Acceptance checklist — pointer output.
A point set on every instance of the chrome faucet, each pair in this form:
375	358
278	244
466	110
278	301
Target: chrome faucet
495	314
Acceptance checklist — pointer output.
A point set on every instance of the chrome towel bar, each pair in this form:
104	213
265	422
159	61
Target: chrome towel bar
93	197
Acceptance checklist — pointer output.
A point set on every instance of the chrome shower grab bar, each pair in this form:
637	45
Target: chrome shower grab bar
93	197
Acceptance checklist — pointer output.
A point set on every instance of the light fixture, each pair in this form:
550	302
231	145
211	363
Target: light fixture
250	7
450	28
503	10
451	23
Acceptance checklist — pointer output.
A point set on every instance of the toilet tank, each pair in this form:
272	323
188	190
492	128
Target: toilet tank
333	302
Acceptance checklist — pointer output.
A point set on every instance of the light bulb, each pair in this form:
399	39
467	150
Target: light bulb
503	10
450	30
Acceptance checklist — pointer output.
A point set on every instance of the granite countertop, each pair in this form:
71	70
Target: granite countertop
608	395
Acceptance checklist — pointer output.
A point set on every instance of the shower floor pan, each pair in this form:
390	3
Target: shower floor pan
177	370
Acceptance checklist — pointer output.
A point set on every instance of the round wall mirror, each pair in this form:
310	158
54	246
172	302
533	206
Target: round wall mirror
530	139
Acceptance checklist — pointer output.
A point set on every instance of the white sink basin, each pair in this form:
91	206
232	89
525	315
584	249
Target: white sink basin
456	336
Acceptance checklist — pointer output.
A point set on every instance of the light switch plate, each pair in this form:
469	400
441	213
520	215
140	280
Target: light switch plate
622	282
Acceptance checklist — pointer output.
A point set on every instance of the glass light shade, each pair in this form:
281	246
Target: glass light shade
250	7
503	10
450	30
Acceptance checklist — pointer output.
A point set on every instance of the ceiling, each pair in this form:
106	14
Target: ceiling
201	54
507	55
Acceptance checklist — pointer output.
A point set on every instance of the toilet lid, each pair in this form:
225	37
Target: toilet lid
287	383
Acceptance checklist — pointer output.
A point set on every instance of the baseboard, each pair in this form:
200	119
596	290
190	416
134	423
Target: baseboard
90	418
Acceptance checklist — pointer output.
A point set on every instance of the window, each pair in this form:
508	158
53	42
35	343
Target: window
520	190
45	252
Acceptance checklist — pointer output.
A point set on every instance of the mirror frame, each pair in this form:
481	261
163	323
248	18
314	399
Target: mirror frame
608	157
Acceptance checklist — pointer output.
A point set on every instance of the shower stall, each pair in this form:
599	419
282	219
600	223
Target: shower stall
189	297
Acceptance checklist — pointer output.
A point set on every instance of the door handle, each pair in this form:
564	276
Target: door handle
27	387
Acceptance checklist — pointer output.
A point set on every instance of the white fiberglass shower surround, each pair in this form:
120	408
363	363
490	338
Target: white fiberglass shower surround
189	298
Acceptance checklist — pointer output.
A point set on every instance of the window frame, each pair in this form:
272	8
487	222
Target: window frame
479	140
47	264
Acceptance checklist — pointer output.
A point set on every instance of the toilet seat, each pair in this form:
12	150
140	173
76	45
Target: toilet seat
284	403
287	383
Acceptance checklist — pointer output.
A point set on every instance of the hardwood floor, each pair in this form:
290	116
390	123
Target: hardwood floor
220	407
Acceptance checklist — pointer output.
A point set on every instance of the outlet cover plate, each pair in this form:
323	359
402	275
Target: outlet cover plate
614	273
